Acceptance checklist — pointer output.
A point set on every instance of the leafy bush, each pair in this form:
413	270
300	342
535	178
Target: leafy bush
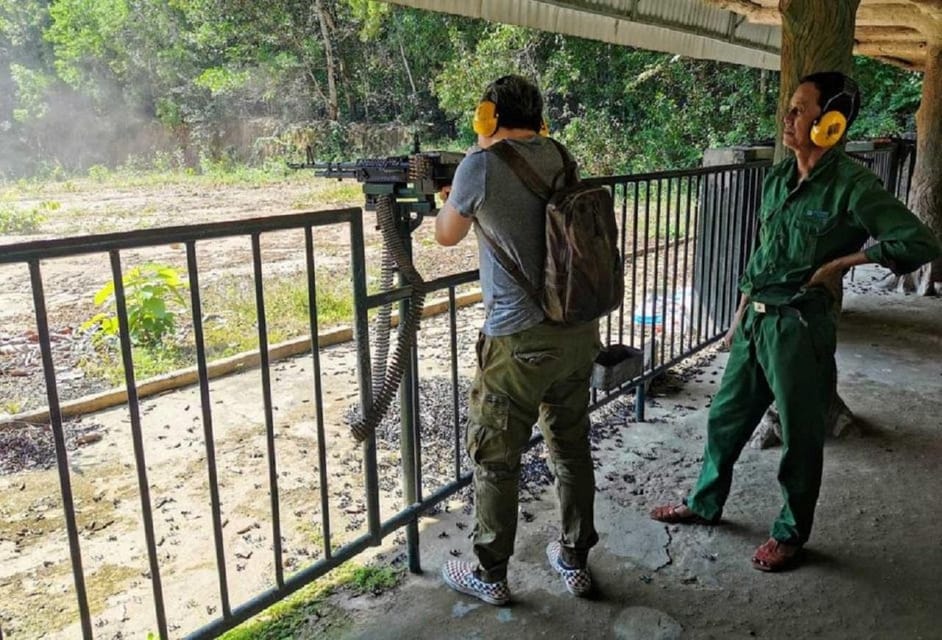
150	292
13	220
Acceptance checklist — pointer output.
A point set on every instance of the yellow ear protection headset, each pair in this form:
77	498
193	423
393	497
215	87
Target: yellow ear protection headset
485	118
830	126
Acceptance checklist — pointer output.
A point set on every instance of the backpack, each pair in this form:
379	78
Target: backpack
583	274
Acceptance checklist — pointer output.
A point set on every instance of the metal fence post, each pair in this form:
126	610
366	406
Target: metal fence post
408	417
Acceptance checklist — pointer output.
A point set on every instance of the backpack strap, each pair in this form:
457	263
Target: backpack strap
569	170
509	265
521	168
532	180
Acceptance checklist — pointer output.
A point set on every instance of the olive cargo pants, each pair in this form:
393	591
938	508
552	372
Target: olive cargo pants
539	374
788	358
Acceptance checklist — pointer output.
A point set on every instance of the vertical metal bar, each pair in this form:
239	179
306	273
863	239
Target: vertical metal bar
687	285
408	437
709	211
727	218
713	273
622	241
665	330
137	439
639	401
205	402
634	262
911	160
699	269
739	235
453	350
58	436
417	421
659	292
639	393
676	291
269	414
361	334
311	269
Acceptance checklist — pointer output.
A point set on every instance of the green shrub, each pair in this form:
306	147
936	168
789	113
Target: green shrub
150	293
24	221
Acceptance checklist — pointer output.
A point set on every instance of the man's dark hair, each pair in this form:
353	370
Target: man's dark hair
519	103
837	89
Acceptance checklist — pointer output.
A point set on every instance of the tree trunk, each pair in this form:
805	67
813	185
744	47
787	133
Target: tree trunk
816	36
333	109
925	192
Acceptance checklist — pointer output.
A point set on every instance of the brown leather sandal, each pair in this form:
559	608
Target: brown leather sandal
677	514
774	556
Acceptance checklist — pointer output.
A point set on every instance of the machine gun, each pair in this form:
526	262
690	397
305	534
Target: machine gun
401	190
412	180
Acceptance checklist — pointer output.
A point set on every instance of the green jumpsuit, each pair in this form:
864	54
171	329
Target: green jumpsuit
783	348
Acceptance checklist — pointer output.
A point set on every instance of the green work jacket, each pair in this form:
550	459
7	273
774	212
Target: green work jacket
803	225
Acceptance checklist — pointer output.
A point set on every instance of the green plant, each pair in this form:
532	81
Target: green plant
98	173
13	220
150	291
375	580
12	407
296	616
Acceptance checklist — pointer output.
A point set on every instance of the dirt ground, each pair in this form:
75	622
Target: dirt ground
84	207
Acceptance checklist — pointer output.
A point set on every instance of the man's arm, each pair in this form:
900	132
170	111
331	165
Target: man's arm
450	226
831	274
464	196
904	243
740	310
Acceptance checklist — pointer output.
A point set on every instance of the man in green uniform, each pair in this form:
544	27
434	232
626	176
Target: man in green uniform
818	209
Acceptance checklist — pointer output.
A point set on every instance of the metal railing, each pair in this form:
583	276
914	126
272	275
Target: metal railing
685	236
892	161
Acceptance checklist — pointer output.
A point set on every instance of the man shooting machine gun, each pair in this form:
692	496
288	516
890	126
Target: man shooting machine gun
401	189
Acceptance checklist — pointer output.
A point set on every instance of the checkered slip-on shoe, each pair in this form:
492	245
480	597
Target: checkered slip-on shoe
460	576
578	581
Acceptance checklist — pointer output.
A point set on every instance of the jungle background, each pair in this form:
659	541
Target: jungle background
199	84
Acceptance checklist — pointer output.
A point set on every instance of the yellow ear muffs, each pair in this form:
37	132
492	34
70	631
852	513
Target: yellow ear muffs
544	128
485	118
828	129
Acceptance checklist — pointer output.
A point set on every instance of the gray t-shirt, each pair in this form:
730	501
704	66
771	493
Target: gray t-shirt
486	189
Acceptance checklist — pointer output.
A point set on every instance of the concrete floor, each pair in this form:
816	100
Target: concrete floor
871	569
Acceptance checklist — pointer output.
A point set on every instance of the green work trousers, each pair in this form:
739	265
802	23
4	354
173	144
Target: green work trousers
790	359
539	375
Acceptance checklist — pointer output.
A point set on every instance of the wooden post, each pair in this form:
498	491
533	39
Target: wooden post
816	36
925	195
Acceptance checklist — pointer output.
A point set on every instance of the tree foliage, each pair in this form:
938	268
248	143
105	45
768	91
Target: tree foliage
87	82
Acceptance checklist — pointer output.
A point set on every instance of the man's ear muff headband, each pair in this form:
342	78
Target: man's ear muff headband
830	126
485	118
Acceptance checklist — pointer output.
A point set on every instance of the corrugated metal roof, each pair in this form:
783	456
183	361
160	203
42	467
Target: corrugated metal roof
748	33
686	27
